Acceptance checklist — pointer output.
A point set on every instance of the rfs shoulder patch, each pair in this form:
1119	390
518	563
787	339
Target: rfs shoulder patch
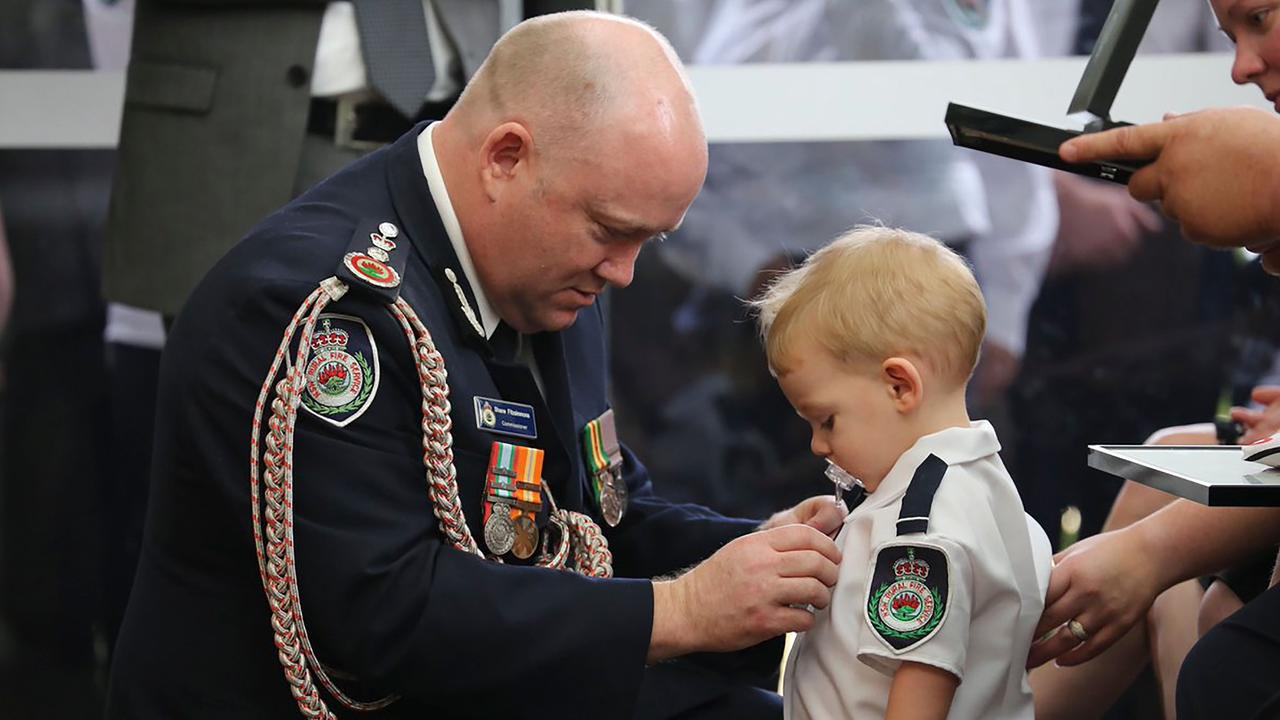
341	371
908	594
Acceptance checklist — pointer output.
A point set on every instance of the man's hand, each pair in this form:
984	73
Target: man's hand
819	512
1214	172
1259	423
1106	583
751	590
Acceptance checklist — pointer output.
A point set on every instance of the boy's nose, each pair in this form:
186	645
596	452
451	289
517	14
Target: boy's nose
818	447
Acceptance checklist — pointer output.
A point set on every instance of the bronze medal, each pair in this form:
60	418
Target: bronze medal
499	532
526	538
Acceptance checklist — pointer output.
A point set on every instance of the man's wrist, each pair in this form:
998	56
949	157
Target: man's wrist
672	633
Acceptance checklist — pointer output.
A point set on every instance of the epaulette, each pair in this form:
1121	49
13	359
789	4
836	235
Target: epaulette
916	504
375	260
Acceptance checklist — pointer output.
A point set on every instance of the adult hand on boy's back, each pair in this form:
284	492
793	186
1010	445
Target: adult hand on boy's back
819	512
1106	583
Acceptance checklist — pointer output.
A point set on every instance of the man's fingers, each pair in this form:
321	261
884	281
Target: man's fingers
1145	185
1126	143
827	516
793	620
802	537
808	563
805	591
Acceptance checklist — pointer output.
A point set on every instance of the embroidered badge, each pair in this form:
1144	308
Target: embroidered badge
970	13
342	370
907	595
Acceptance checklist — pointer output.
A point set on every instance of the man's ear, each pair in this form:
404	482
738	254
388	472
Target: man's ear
505	153
903	383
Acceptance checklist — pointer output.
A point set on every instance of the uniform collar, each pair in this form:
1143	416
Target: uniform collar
955	446
444	206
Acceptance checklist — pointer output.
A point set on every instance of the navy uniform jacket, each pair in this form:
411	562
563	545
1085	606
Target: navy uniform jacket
385	597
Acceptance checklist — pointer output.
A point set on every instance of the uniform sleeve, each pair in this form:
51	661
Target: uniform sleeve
658	537
917	606
386	597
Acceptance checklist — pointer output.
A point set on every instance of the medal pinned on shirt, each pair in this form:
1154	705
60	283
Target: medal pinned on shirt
604	461
512	500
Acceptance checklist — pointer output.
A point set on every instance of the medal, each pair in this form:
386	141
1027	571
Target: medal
499	532
512	500
613	498
603	456
526	537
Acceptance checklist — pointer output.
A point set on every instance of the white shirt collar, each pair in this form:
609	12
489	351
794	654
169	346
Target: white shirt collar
953	446
435	182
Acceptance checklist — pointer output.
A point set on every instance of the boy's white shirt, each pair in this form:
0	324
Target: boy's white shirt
998	562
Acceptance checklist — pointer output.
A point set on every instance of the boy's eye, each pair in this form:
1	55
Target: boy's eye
829	423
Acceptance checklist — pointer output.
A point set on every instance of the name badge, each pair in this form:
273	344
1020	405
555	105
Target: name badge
505	418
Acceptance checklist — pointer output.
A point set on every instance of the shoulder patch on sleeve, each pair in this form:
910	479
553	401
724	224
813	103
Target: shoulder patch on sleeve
341	371
907	594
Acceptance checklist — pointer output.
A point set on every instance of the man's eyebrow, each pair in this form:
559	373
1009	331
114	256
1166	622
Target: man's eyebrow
627	227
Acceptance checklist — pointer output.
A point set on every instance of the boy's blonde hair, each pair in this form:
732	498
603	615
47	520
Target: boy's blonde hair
875	293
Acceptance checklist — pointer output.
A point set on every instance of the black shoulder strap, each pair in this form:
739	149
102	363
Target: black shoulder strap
375	260
914	515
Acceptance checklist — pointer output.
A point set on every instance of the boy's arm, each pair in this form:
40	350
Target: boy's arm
920	692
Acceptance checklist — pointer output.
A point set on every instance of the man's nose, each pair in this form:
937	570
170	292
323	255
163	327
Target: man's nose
619	266
1246	66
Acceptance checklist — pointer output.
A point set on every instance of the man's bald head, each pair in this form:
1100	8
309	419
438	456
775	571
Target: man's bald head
567	75
576	142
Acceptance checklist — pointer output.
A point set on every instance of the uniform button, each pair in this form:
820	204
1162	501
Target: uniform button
297	75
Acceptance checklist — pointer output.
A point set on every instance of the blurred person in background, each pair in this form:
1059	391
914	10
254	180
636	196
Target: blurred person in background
767	204
54	415
1127	311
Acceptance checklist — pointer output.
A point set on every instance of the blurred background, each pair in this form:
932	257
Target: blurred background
1104	324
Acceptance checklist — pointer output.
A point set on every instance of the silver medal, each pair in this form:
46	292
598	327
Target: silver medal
499	533
613	497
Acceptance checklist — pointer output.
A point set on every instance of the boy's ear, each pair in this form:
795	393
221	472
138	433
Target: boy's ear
903	382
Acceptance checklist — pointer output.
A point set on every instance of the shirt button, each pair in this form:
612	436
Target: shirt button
297	76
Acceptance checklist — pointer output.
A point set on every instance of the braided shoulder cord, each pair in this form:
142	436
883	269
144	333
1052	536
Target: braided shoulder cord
277	564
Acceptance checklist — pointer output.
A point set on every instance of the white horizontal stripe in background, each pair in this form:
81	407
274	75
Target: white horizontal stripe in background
746	103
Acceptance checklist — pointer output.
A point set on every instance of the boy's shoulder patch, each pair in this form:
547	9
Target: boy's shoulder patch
908	593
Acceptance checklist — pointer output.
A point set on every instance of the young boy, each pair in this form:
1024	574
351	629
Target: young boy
944	576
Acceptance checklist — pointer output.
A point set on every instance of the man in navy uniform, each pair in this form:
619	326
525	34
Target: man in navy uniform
575	143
